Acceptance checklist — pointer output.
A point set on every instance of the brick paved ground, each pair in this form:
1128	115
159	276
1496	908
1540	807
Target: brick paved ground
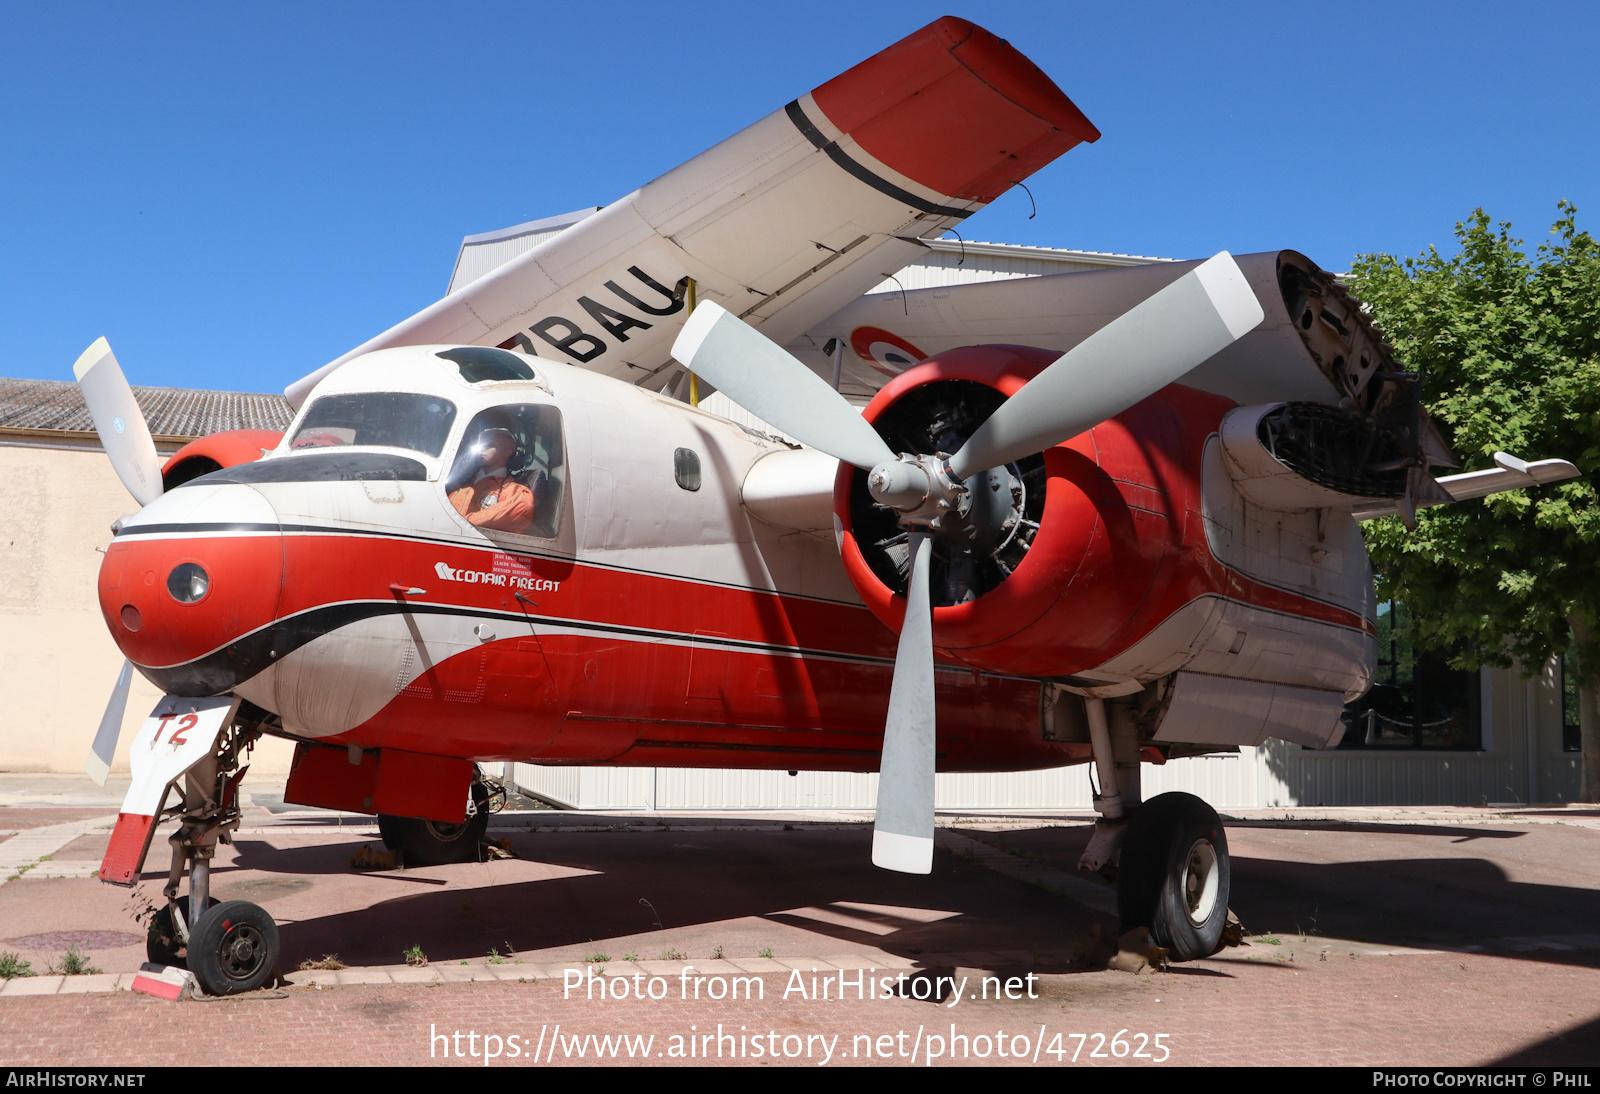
1517	903
1415	1010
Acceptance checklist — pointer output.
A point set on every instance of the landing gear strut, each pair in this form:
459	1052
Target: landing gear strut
1168	856
231	947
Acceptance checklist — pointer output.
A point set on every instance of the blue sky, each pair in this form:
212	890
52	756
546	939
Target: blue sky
235	194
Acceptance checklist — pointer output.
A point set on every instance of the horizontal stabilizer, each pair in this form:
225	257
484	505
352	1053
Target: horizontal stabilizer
1509	473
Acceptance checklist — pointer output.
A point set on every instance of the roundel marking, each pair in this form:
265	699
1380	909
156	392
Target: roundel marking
887	352
116	423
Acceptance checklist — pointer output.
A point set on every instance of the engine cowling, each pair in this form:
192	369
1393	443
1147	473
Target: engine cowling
1061	556
216	451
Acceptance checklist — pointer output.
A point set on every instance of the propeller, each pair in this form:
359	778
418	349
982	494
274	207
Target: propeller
117	418
105	738
125	436
902	832
1126	361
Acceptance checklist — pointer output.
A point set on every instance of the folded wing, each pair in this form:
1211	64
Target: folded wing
783	223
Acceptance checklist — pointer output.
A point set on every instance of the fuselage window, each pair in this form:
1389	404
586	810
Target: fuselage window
686	468
511	470
390	419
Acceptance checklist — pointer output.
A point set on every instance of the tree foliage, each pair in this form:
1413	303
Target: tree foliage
1508	346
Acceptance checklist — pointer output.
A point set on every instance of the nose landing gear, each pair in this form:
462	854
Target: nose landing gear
232	946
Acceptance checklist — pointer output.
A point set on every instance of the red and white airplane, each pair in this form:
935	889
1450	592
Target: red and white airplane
1120	528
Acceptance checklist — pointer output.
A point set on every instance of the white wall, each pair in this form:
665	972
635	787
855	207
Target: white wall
57	661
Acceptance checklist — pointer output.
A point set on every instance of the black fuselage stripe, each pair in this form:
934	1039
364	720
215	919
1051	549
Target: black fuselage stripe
877	182
225	668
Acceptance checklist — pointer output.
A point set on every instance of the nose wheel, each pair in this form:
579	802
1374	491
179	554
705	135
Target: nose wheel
233	948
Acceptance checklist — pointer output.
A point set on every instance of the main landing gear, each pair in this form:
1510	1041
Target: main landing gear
1173	876
232	946
1169	856
425	842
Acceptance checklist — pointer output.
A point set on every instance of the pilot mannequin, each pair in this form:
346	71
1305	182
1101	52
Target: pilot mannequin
492	498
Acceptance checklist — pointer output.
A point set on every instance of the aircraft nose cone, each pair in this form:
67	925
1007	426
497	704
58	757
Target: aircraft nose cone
190	577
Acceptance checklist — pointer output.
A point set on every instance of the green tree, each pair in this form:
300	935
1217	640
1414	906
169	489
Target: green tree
1509	351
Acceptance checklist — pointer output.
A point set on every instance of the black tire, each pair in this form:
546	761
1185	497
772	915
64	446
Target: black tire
234	948
162	946
1173	876
433	843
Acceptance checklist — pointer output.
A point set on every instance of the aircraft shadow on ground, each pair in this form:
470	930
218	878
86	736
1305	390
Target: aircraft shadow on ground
815	877
778	873
1456	834
1576	1046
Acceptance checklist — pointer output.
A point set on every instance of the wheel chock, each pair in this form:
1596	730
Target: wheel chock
165	982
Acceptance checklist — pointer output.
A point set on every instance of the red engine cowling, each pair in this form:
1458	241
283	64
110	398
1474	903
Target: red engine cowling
215	451
1098	538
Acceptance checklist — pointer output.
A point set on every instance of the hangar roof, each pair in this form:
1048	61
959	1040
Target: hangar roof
56	407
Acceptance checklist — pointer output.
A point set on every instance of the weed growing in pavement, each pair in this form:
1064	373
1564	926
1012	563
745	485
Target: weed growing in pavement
495	958
415	957
328	961
1271	940
12	966
716	954
596	958
72	963
631	955
674	955
764	953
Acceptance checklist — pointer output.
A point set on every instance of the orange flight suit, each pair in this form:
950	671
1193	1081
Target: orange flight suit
503	505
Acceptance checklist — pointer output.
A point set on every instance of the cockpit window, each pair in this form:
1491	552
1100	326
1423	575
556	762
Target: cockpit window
481	363
509	474
390	419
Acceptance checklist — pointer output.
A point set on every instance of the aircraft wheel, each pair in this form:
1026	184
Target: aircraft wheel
234	948
161	942
433	843
1174	876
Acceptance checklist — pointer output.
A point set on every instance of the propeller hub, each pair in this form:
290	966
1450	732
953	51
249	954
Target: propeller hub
920	489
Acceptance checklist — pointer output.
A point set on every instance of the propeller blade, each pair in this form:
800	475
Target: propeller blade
1129	359
772	384
105	738
902	833
119	421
